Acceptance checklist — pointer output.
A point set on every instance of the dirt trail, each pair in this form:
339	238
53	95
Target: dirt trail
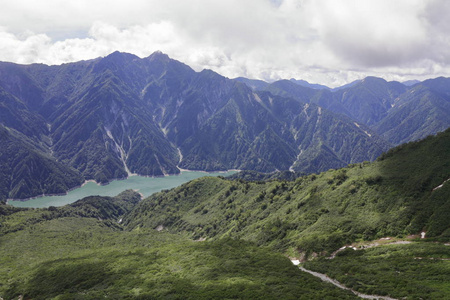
341	286
370	245
441	185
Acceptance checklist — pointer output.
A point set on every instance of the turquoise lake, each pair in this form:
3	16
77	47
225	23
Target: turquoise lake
144	185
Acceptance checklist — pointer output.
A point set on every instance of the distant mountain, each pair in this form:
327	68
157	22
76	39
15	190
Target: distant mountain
346	85
423	109
289	89
258	85
310	85
369	100
397	112
410	82
366	102
111	117
438	85
254	84
223	124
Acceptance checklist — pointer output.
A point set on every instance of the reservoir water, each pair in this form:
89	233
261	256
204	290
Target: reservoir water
144	185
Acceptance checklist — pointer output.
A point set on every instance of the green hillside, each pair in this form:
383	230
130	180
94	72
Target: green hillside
81	251
395	196
419	270
218	238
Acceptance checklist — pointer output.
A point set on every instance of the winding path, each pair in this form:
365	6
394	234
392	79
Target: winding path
439	186
340	285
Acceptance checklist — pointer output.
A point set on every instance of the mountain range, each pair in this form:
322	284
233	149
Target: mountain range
111	117
397	112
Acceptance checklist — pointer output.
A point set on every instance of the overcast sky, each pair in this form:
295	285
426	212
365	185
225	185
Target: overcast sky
332	42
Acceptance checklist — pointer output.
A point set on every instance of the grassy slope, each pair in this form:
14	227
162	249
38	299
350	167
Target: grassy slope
317	213
394	196
79	256
419	270
107	209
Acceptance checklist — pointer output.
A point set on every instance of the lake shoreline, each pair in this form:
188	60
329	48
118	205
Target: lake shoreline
116	187
51	195
112	180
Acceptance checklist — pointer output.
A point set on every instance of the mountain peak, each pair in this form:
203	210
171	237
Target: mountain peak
210	74
120	56
411	82
158	55
305	83
115	60
373	79
254	84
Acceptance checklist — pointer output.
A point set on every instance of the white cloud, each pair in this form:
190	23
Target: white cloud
325	41
24	50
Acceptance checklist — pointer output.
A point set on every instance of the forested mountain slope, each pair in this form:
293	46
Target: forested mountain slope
81	251
397	112
111	117
404	192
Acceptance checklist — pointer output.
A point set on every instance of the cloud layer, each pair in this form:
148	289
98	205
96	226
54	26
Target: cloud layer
326	41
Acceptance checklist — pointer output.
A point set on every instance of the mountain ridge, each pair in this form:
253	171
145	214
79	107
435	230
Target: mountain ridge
374	102
111	117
